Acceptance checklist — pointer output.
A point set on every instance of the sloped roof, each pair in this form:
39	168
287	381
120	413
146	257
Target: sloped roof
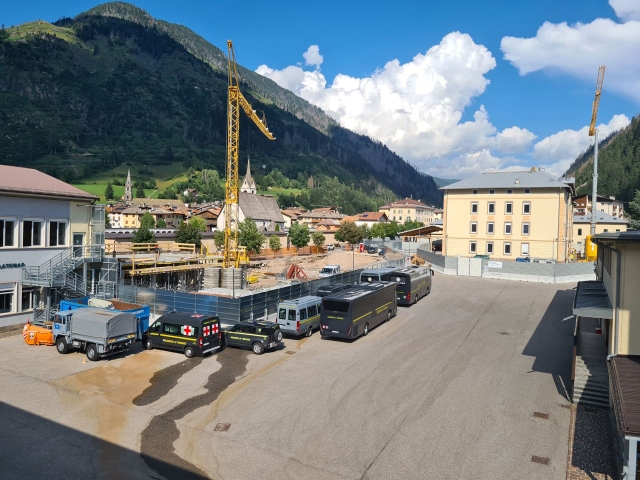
33	182
371	216
523	179
601	217
260	207
162	202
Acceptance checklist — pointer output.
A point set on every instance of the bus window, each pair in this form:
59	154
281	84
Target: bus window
313	311
401	280
303	314
336	306
292	315
282	315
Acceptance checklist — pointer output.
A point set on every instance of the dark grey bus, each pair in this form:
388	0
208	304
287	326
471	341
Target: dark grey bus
375	274
413	283
351	313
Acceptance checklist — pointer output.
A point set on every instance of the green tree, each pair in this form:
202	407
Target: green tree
108	192
378	230
249	235
107	221
299	235
391	229
147	220
349	232
199	223
143	235
274	244
366	232
140	191
188	232
218	239
161	223
318	239
410	225
277	227
634	210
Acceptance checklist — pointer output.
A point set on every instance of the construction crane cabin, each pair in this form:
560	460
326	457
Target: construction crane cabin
233	255
590	247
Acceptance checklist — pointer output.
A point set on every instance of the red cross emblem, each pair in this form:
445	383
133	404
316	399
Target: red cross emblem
186	330
214	328
206	331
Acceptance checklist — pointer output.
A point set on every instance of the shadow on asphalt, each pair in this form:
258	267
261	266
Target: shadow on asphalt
34	447
552	342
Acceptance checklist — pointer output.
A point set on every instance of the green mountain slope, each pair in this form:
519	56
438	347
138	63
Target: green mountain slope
618	165
114	85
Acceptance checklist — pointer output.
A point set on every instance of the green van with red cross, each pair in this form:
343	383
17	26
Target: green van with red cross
190	333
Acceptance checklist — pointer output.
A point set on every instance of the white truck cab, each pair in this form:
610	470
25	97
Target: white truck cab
329	270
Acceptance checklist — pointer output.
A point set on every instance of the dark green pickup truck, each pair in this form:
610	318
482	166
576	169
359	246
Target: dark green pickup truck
258	336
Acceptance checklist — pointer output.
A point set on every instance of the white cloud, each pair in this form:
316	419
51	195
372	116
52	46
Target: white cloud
312	56
557	151
578	49
414	108
626	9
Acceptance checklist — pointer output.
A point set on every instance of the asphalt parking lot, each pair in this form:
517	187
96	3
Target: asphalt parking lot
446	390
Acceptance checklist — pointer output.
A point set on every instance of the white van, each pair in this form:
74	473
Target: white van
329	270
299	316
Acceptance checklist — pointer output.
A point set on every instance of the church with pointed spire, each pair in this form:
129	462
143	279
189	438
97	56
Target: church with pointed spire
128	192
249	184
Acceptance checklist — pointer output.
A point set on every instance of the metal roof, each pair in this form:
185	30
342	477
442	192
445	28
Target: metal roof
523	179
30	181
624	374
591	300
421	230
628	236
601	217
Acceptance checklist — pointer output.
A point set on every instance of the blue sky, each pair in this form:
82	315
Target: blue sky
357	38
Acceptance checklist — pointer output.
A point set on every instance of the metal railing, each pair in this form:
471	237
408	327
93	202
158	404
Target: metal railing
53	273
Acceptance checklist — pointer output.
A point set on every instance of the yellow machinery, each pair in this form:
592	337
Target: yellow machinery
233	254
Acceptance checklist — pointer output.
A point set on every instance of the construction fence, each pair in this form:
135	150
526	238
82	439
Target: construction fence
247	305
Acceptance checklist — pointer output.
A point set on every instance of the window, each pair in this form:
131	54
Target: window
507	228
492	192
490	228
6	300
491	208
606	230
57	234
400	218
507	249
7	233
527	190
472	247
525	249
282	314
313	311
525	229
171	329
27	299
508	208
32	233
526	208
292	315
474	192
474	207
579	232
303	314
509	191
474	227
489	248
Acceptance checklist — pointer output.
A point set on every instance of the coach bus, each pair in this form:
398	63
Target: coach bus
375	274
413	283
352	313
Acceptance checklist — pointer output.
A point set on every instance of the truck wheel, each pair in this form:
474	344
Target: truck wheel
188	352
310	331
148	345
366	330
62	345
92	353
258	348
388	315
278	336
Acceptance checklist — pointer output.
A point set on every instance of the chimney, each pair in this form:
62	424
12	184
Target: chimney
534	169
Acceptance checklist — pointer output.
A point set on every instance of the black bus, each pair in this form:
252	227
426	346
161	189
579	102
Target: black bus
413	283
353	312
189	333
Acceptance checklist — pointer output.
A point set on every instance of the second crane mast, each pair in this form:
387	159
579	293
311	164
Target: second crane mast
231	255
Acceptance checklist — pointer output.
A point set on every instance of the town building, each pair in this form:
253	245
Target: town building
249	184
317	215
129	216
209	213
371	218
45	228
409	210
128	189
291	215
604	223
263	209
509	214
609	205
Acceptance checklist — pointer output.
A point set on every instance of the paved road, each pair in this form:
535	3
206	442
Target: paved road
446	390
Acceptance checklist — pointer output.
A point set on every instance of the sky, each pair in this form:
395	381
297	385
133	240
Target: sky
455	88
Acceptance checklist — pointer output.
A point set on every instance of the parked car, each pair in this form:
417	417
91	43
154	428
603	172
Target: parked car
299	316
329	270
382	251
325	290
371	249
258	336
330	247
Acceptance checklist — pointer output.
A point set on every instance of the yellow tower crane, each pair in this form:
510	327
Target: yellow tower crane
233	255
590	249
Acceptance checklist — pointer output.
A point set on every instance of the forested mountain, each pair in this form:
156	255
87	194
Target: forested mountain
114	85
618	165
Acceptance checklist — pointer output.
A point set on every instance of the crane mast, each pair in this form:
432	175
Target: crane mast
232	251
593	132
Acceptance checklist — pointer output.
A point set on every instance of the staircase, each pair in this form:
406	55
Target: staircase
591	386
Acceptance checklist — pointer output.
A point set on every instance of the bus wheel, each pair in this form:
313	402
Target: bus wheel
366	330
148	345
388	315
310	332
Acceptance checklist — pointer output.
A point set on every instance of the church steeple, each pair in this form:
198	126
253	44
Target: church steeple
248	185
128	192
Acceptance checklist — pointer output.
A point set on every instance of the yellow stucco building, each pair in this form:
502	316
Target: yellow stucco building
509	214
